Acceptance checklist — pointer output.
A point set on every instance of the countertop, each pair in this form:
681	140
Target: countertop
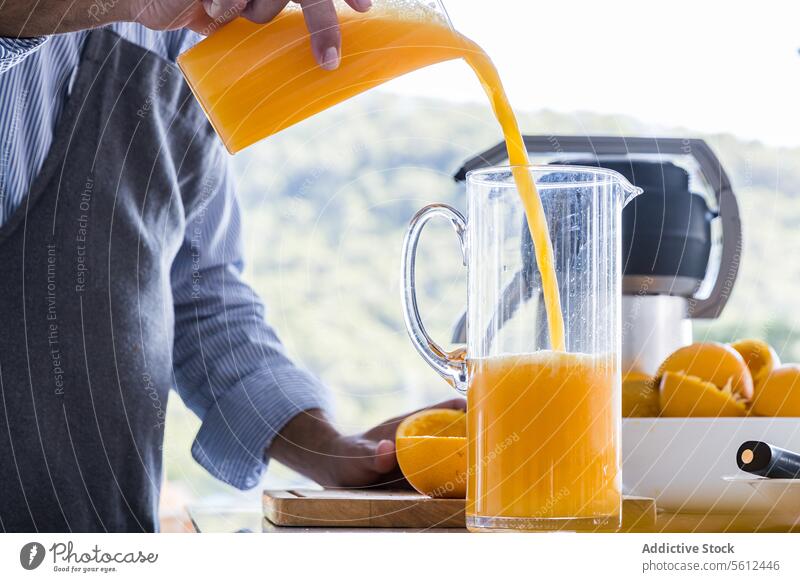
207	519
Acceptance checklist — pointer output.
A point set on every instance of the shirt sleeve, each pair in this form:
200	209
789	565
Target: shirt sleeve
183	41
230	367
14	50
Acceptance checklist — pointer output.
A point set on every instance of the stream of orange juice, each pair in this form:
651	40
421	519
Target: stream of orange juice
542	433
254	80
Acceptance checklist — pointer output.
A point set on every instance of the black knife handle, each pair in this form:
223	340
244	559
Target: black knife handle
760	458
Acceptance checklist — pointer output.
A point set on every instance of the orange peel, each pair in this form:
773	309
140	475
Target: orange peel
689	396
778	394
639	396
759	356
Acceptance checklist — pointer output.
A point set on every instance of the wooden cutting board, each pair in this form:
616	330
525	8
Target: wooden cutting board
354	508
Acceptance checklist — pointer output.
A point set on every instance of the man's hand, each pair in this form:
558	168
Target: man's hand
310	445
320	17
21	18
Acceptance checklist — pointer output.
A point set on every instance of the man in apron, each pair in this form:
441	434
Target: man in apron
120	239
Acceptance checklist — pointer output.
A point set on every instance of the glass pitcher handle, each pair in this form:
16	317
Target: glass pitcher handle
452	366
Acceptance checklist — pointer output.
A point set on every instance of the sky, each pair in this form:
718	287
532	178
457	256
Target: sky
704	65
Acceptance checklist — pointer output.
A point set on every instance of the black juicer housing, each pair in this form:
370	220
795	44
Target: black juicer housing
667	236
666	231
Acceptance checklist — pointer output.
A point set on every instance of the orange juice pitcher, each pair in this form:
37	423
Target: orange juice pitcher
543	421
253	80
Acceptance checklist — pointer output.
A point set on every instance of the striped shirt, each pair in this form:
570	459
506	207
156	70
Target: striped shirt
241	383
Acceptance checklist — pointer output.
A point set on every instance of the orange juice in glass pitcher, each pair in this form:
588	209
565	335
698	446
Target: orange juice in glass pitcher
543	423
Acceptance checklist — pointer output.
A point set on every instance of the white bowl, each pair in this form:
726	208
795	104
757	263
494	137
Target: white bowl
683	462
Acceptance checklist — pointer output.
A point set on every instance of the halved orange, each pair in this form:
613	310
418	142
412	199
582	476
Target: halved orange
712	362
759	356
778	394
690	396
432	452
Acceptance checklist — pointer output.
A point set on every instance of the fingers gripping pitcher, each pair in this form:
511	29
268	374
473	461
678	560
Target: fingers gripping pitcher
543	422
255	80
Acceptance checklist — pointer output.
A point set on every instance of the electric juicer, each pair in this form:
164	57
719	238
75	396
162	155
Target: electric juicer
681	238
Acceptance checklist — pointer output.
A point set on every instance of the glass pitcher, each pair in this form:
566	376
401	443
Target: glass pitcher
543	426
253	80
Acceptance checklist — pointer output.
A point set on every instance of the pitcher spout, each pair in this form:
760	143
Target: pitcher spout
629	191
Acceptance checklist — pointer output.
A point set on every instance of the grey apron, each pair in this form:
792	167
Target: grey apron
86	312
